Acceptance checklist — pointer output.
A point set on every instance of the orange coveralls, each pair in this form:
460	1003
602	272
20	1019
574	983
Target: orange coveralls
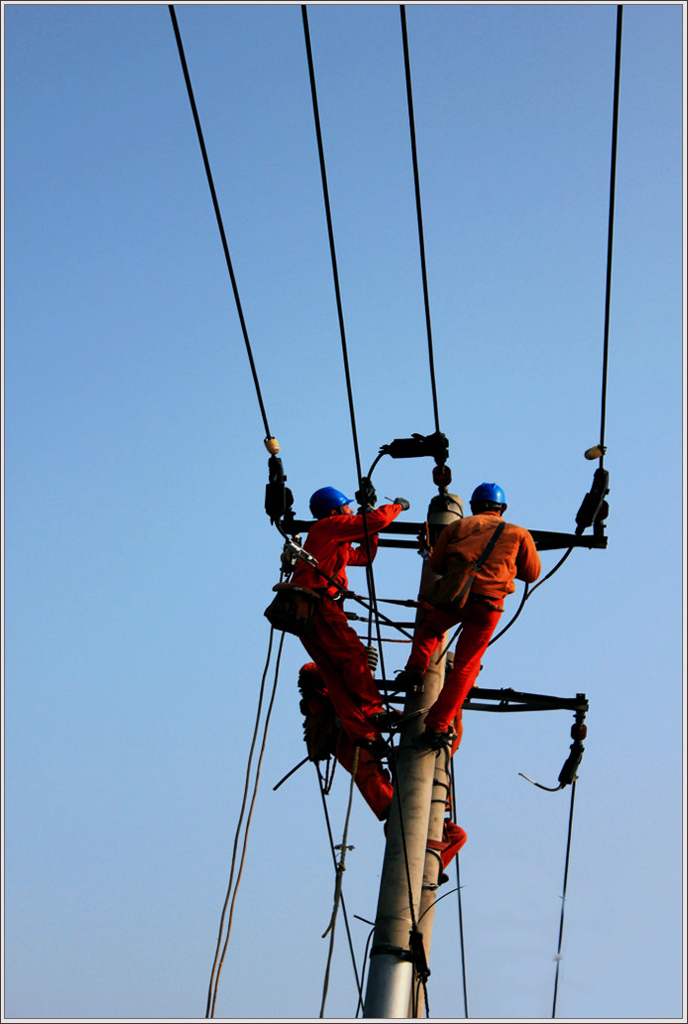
514	556
324	737
332	644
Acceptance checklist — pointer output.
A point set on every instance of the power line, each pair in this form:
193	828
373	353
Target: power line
419	213
330	234
610	232
218	216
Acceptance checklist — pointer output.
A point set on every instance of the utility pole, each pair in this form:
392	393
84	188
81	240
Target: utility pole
416	815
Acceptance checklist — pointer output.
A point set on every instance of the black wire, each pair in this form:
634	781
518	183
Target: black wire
563	900
218	215
419	212
340	313
459	902
610	235
330	232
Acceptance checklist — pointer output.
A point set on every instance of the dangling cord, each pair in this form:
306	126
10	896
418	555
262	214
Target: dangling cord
359	984
217	964
340	869
460	906
563	900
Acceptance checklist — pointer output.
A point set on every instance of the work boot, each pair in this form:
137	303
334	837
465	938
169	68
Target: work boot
377	747
436	740
385	721
410	680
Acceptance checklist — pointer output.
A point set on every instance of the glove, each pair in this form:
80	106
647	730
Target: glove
403	502
366	496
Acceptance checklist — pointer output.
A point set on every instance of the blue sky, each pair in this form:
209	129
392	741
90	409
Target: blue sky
139	559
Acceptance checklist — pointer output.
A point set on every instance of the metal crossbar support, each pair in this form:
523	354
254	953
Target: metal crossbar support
545	540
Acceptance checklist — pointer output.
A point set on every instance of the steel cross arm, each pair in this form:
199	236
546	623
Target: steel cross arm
508	699
545	540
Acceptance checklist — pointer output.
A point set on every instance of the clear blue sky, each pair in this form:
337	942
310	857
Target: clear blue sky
139	559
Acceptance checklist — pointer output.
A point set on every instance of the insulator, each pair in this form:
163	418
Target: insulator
596	452
442	476
272	445
373	657
579	731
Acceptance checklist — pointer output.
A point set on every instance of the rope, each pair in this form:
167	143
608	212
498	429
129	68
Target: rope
563	900
218	215
610	233
220	956
340	869
359	983
419	212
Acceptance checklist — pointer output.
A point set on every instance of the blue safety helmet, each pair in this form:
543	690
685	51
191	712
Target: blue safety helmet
326	500
489	492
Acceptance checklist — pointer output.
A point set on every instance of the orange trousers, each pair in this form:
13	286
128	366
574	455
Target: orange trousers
343	664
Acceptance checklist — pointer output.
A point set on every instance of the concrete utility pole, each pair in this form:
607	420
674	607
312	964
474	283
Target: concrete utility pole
416	815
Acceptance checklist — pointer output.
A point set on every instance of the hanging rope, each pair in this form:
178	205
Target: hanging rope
359	982
419	213
218	215
610	232
459	901
221	949
563	900
340	869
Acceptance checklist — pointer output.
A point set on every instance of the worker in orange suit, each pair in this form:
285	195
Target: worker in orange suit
331	643
325	738
514	557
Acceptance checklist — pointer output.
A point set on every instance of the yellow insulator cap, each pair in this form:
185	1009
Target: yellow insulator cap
596	452
272	445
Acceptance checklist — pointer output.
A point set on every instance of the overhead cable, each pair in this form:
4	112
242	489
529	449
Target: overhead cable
610	232
330	233
218	216
419	212
338	297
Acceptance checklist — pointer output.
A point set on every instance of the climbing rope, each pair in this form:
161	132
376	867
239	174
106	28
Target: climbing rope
232	890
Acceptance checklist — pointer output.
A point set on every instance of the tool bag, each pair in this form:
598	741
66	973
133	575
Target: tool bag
450	592
291	611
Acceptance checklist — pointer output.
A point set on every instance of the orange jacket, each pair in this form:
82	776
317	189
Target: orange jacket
330	540
513	556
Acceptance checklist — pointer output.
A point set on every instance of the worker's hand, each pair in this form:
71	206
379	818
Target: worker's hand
404	504
366	496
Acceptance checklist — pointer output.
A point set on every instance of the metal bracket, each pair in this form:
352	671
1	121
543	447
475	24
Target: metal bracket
545	540
509	699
